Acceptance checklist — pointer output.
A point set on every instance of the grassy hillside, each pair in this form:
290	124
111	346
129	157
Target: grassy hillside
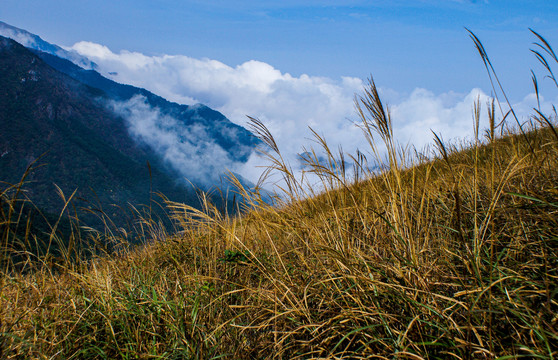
450	257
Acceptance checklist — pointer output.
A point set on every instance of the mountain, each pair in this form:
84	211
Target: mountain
76	139
200	143
235	140
35	42
53	120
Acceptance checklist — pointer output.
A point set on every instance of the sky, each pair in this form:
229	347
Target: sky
297	64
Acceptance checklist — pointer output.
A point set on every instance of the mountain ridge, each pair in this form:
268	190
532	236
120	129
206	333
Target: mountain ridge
189	114
237	142
49	117
30	40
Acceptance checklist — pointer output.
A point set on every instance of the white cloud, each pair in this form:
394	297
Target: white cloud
93	50
449	115
288	105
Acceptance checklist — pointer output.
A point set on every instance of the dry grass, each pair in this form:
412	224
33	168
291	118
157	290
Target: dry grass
451	258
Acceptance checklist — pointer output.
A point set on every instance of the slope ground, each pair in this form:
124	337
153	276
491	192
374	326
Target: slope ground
454	257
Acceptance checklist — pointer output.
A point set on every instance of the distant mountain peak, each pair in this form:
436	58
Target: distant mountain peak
35	42
97	135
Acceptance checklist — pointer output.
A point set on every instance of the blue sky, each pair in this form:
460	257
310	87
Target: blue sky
404	44
297	64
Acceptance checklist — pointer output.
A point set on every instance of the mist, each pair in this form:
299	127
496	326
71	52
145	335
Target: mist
187	148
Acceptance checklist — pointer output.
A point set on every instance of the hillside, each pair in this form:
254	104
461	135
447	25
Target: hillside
197	130
56	120
234	139
55	125
454	257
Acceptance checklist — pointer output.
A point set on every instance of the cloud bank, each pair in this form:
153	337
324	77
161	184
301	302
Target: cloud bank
286	104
